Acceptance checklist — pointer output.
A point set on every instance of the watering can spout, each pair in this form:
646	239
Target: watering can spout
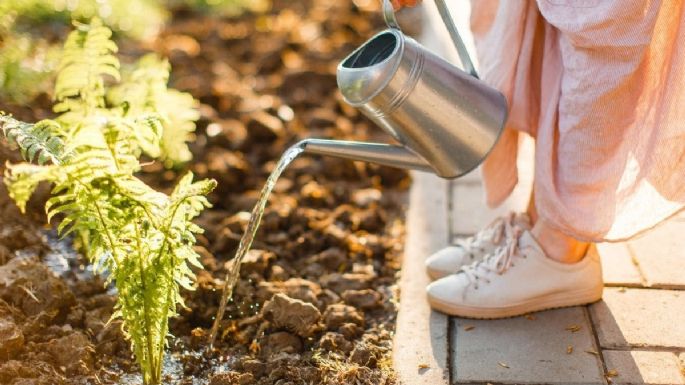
383	154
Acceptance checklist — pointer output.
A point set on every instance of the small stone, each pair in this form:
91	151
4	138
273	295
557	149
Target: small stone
73	351
350	331
338	314
331	258
320	118
280	342
363	299
296	288
5	254
363	355
264	127
291	314
230	133
277	273
30	286
256	261
229	168
11	339
314	192
365	197
255	367
348	281
232	378
335	342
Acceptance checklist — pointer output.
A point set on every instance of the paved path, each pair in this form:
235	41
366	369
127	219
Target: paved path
635	335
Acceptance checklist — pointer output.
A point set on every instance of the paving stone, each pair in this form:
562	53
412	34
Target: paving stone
522	350
617	265
640	318
643	367
661	255
420	347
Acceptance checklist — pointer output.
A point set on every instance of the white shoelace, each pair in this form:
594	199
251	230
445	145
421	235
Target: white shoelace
501	259
499	229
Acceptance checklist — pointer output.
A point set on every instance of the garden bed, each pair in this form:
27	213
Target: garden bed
330	242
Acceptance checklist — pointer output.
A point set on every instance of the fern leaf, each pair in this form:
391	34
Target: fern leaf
144	91
88	57
34	139
22	179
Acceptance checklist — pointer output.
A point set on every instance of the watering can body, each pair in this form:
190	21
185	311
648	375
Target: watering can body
445	120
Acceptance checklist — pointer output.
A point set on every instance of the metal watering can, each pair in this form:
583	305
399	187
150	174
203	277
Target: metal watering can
445	119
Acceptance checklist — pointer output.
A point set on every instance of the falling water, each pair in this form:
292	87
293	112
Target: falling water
252	226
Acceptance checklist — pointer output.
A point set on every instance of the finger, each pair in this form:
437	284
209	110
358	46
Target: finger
396	4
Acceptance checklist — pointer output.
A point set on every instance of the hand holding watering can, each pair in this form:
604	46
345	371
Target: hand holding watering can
397	4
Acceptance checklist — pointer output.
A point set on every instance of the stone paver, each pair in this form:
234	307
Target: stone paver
660	255
421	342
640	318
522	350
617	265
644	367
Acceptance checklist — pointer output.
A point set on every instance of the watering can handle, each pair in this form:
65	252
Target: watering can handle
456	38
389	15
391	21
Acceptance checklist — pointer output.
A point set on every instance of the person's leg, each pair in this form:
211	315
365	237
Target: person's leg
557	245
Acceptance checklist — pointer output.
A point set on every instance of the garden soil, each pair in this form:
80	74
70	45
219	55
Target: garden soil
316	303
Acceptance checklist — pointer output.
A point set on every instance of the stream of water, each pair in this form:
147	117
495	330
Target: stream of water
233	275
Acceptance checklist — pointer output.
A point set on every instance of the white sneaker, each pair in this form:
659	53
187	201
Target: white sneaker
468	250
517	279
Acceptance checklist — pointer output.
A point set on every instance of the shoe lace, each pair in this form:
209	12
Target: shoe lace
495	232
499	261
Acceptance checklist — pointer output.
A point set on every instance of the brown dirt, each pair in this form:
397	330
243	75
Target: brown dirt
315	303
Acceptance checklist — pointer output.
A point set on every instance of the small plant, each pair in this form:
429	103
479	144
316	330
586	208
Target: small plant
142	238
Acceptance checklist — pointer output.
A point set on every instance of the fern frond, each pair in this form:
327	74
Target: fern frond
22	179
144	91
34	139
87	58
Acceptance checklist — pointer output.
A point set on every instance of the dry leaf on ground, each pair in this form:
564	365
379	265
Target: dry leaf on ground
573	328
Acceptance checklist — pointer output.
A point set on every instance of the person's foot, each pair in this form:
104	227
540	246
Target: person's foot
517	279
468	250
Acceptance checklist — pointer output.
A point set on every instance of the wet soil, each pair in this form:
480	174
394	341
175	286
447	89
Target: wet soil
316	299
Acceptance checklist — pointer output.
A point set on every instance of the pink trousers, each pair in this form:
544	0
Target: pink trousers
600	84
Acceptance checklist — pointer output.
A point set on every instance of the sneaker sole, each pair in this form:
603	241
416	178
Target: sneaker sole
547	302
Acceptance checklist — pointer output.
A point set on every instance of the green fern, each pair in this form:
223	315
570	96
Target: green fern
143	238
33	139
89	55
144	90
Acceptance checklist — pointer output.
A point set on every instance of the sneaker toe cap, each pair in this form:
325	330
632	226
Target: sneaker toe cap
444	262
448	289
